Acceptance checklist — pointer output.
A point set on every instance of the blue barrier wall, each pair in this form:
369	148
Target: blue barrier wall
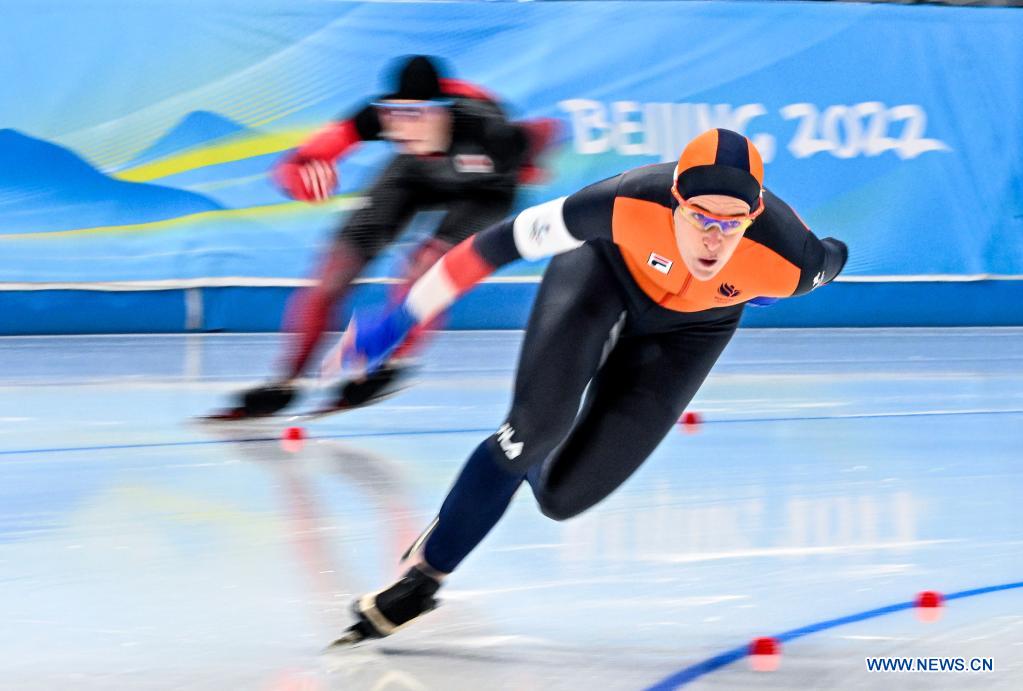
894	128
505	306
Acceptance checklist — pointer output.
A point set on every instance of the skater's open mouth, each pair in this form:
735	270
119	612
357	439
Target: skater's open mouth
708	262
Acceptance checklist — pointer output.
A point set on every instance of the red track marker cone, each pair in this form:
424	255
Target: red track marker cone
764	654
293	439
691	421
928	606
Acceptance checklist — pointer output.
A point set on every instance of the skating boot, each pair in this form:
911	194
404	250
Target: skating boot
387	380
382	613
260	401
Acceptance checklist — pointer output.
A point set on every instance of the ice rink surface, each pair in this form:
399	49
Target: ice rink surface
837	473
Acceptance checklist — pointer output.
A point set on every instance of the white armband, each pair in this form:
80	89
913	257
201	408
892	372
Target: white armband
540	231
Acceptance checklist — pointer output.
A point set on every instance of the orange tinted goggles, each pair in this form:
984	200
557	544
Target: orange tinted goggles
706	221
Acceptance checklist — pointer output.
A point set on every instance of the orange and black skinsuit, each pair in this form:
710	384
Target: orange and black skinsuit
620	338
619	313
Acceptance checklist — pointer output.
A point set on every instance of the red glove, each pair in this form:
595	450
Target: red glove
307	180
308	174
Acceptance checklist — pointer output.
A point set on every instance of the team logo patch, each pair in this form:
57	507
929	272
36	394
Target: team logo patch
538	231
818	279
662	264
474	163
729	291
512	449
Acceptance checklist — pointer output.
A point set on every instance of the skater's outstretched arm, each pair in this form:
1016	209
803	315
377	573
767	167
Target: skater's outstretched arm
308	173
540	231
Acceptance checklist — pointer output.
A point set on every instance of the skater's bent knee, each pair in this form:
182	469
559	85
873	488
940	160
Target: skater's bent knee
556	508
365	241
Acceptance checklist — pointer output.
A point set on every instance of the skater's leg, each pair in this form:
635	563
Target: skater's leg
307	317
389	206
474	505
633	402
391	203
309	312
390	377
576	311
466	215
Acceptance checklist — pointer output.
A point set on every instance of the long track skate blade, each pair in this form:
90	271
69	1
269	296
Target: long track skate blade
344	406
352	637
229	415
218	421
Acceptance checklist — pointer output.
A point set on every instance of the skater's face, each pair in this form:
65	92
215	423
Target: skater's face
417	127
705	249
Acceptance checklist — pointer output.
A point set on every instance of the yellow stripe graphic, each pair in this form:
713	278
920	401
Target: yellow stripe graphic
338	203
226	152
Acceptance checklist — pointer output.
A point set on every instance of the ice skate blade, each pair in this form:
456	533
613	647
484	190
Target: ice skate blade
350	639
252	423
343	404
225	416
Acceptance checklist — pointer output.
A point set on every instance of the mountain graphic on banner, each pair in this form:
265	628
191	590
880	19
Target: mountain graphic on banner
198	127
45	187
